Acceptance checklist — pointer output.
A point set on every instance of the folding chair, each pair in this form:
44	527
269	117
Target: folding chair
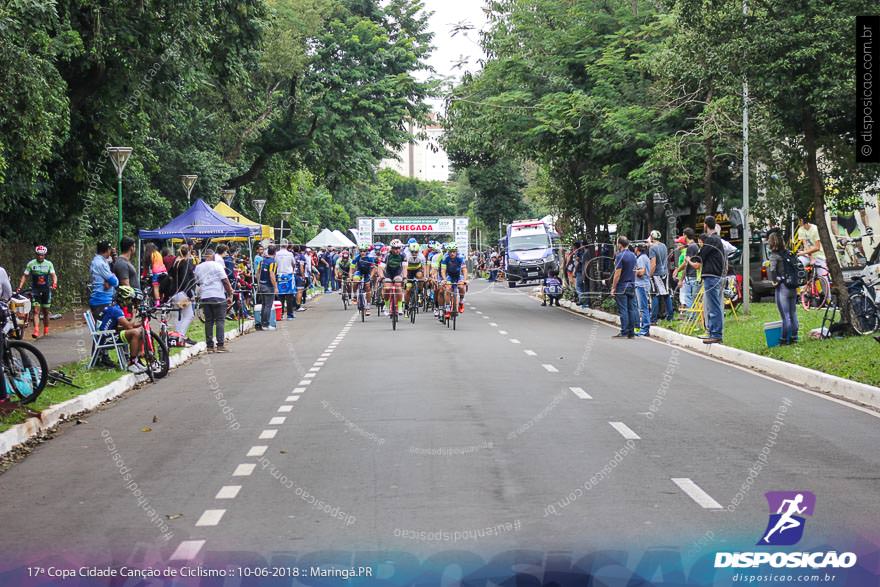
105	340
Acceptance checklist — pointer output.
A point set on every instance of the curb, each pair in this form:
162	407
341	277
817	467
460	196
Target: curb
51	416
852	391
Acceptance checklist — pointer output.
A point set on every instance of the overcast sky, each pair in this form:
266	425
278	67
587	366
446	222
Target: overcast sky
453	55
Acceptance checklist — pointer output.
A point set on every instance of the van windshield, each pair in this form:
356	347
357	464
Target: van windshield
529	243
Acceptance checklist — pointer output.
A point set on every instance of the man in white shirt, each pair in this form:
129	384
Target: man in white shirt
284	261
811	246
215	294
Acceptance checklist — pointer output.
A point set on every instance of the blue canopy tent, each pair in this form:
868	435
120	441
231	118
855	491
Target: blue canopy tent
201	221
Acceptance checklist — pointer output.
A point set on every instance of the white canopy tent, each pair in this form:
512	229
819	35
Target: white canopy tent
328	238
343	240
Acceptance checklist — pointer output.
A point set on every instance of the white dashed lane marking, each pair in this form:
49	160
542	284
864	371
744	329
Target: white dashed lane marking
292	398
580	393
493	324
278	420
694	491
211	518
550	368
502	332
310	375
304	382
267	434
298	390
244	470
257	451
514	340
228	492
530	353
187	550
285	408
625	431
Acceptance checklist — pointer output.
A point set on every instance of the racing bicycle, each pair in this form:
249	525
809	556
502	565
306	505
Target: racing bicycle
394	302
154	354
415	301
864	315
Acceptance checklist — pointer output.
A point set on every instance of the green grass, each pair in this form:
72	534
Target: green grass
852	357
90	379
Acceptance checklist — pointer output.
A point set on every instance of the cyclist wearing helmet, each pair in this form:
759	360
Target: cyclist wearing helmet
114	319
454	272
392	270
343	268
365	266
434	275
43	282
415	264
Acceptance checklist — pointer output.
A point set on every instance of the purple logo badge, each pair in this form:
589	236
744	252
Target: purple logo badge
787	508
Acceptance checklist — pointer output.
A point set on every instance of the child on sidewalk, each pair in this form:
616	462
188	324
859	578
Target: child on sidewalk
552	288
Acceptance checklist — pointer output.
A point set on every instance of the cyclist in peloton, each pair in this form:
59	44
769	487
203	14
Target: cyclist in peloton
434	270
415	265
343	268
392	270
365	266
44	281
454	272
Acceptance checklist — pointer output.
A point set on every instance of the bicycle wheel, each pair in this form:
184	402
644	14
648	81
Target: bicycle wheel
24	370
156	359
862	314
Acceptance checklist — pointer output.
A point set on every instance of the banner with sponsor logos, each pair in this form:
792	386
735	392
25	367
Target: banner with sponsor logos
413	225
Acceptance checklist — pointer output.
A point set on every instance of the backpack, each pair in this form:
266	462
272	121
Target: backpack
793	274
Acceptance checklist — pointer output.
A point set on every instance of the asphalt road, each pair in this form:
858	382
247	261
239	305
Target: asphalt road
527	427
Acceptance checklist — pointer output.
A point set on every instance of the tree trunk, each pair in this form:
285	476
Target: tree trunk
838	285
709	145
649	212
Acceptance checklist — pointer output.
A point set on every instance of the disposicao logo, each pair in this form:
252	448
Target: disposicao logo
785	528
786	525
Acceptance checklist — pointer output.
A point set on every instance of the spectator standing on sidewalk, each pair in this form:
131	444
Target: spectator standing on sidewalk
711	262
183	272
643	289
284	261
786	297
123	268
216	294
659	255
103	281
691	284
623	288
324	268
268	287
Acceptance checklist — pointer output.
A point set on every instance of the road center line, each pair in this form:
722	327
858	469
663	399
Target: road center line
550	368
257	451
293	398
228	492
530	353
211	518
304	382
267	434
187	550
277	420
298	390
578	391
287	408
493	324
514	341
625	431
243	470
502	332
696	493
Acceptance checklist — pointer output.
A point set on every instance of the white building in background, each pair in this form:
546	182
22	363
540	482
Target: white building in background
423	158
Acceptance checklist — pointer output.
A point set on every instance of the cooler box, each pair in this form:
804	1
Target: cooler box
277	307
773	333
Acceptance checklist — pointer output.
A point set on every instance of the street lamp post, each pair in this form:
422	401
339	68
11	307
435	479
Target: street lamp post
228	196
258	206
119	156
188	182
747	233
284	216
